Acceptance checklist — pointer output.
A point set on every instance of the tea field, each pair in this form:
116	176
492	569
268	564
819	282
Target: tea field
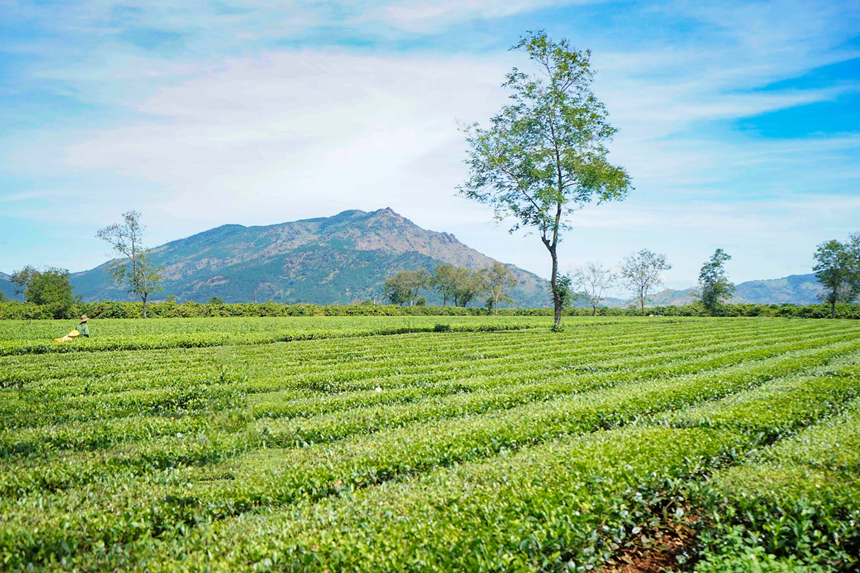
431	444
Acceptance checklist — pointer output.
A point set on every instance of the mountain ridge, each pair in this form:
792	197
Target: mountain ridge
347	257
322	260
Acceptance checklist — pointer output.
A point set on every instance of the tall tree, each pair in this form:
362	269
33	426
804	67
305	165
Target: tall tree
49	287
641	273
406	286
714	285
137	271
544	155
499	280
592	280
837	268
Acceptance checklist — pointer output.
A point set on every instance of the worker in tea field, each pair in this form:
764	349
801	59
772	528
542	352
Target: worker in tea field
80	330
82	327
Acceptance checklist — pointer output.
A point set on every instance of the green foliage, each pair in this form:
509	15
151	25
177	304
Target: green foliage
353	447
837	268
406	286
544	154
793	506
445	279
48	288
169	309
498	280
714	286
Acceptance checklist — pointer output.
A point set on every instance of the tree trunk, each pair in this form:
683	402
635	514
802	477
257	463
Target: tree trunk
594	312
144	305
833	309
556	295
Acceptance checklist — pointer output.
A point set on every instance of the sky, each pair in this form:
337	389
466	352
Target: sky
738	122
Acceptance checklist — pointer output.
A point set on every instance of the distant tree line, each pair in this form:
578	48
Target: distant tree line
458	285
48	293
641	274
172	309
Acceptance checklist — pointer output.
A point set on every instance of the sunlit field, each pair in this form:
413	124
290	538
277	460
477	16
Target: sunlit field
430	443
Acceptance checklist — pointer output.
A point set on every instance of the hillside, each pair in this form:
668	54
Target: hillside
7	288
346	257
793	289
325	260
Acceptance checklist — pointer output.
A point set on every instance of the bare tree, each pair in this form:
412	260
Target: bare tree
592	279
137	272
499	280
641	273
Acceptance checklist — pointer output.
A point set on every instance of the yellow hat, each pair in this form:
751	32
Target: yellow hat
84	318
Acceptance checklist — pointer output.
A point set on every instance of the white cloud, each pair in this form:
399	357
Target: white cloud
291	132
297	133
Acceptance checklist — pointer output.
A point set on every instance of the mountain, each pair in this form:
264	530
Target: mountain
346	257
793	289
8	288
325	260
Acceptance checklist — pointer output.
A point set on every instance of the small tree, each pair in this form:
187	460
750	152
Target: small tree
3	297
499	280
837	268
592	279
714	285
544	155
49	287
137	271
641	273
852	246
406	286
216	300
468	285
445	282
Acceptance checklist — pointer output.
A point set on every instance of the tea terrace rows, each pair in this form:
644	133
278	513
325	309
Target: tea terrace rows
468	450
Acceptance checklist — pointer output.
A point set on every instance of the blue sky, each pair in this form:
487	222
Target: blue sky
739	122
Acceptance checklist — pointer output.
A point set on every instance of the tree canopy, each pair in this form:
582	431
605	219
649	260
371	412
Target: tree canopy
406	286
837	267
544	155
714	285
49	287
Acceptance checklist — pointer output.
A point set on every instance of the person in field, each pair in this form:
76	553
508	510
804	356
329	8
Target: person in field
82	327
80	330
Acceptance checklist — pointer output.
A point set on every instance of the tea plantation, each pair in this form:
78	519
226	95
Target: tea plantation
431	444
